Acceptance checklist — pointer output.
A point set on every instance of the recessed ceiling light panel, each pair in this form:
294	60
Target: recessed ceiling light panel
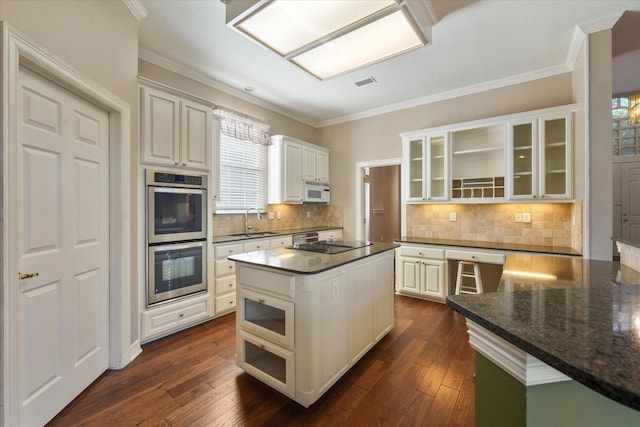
286	26
381	39
327	38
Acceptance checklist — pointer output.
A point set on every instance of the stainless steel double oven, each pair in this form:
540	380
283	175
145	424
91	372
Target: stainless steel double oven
176	235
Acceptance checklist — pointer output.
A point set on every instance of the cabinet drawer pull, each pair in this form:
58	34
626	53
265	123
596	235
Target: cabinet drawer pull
231	302
231	285
260	301
181	315
230	267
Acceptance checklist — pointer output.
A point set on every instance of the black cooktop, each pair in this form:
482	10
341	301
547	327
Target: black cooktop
330	247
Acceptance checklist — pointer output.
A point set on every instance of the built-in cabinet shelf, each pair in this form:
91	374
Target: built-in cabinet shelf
291	163
525	156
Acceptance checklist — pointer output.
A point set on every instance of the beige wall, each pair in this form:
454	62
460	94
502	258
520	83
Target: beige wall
377	138
99	39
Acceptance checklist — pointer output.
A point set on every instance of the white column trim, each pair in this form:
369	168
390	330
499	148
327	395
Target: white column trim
516	362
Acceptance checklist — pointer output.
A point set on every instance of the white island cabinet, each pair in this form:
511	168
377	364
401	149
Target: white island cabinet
300	329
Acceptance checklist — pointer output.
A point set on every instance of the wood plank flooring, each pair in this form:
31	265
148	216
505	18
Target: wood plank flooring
420	374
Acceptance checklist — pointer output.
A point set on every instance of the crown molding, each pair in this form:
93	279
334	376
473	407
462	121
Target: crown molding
603	23
185	71
136	8
577	40
442	96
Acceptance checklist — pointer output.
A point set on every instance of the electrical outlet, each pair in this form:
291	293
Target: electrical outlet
452	216
518	217
308	214
270	215
526	217
279	215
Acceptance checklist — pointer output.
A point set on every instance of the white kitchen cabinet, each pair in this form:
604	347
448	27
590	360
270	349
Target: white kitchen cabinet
339	314
426	165
280	242
540	157
285	184
421	271
315	166
291	163
524	156
225	271
168	318
176	131
225	276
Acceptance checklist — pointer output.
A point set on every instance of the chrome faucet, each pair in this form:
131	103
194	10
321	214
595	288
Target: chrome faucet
246	219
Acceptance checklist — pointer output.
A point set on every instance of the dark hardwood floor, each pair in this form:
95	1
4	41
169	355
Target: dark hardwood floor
420	374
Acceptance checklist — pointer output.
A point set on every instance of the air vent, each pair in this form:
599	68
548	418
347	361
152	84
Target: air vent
366	81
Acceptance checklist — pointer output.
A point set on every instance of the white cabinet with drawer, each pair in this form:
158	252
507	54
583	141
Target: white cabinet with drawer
225	276
225	271
168	318
421	271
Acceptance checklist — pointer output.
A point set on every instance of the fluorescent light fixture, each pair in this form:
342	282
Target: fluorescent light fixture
327	38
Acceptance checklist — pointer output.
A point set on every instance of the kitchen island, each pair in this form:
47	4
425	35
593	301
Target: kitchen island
305	318
558	344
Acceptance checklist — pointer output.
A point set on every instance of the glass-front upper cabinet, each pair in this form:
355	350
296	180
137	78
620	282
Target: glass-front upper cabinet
523	165
555	156
427	165
540	159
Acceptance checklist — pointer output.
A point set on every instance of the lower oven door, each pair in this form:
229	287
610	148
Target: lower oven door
175	270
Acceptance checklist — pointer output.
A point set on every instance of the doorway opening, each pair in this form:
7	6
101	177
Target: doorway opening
379	207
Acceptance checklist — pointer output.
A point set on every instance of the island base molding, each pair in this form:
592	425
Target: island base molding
514	389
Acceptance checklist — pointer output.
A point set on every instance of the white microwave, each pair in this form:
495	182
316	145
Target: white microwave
316	192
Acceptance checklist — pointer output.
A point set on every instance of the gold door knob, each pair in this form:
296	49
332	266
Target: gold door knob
22	276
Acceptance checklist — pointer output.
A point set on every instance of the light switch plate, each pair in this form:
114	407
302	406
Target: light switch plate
518	217
271	215
452	217
526	217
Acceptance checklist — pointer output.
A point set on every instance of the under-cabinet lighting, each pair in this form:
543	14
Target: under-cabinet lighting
327	38
531	275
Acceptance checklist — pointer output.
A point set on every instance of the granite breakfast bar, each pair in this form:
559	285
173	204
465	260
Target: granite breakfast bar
305	318
558	344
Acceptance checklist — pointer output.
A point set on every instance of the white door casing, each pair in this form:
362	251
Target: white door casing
630	198
63	199
17	50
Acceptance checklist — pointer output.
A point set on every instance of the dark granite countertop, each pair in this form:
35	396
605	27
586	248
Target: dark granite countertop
261	235
585	322
501	246
304	262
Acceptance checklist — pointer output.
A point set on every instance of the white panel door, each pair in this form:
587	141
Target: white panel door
63	207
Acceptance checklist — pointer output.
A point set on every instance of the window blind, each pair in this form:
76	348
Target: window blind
242	175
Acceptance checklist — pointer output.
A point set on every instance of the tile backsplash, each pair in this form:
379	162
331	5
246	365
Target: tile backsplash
291	217
552	224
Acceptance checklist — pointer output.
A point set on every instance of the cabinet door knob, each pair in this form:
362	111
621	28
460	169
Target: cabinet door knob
181	315
176	163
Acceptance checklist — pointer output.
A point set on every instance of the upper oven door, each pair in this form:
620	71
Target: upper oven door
176	214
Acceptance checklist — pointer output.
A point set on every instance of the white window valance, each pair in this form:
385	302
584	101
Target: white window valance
243	127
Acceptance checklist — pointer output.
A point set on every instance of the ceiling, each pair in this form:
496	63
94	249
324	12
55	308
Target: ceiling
475	46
